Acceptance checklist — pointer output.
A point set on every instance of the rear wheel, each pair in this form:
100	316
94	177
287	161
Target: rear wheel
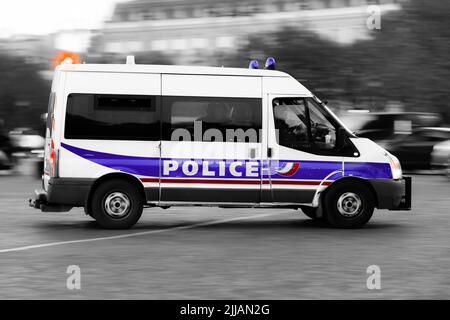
117	204
349	204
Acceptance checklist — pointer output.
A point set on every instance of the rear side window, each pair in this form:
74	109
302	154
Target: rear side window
112	117
212	119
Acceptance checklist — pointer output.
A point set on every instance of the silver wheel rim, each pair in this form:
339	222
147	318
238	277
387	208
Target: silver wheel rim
349	205
117	205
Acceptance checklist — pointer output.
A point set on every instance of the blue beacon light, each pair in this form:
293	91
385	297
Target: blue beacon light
253	64
270	63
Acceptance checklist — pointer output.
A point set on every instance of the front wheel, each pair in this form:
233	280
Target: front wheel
117	204
311	213
349	204
447	169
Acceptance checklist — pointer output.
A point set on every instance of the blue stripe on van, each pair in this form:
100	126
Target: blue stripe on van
305	170
368	170
141	166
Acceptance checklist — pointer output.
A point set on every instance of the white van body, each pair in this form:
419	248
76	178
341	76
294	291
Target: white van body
83	153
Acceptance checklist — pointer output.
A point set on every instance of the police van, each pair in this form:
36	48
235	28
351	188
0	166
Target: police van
121	138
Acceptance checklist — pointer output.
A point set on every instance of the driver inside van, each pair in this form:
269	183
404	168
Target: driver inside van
288	120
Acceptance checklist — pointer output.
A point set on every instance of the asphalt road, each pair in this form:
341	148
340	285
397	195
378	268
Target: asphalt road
204	253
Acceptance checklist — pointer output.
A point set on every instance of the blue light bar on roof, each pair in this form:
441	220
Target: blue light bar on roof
270	63
253	64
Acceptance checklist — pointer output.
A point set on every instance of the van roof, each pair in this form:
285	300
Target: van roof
170	69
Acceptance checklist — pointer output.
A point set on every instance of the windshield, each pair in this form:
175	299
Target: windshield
331	113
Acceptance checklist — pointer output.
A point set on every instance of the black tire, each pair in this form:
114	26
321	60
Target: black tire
357	204
447	169
88	211
117	192
311	213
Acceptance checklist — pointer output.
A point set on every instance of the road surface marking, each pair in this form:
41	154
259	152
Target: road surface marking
137	234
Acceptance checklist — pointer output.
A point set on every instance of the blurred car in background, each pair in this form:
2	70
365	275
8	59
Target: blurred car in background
411	136
382	127
28	144
6	162
6	149
24	140
440	157
414	150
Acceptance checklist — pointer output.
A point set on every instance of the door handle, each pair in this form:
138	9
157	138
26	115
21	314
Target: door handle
252	153
269	152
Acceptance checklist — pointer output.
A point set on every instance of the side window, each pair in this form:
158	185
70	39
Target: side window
291	123
302	124
112	117
323	132
211	119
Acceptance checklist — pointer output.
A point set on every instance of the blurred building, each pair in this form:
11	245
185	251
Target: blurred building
41	49
194	29
34	49
76	40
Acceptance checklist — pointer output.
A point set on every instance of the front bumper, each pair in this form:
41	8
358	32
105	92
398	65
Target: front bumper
393	194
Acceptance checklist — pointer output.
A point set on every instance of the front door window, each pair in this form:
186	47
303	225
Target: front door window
302	124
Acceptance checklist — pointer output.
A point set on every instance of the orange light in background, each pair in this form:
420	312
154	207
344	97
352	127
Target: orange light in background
66	57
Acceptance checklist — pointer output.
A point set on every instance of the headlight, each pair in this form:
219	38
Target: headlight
396	168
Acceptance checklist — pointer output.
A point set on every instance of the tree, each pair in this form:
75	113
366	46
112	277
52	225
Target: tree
407	60
410	54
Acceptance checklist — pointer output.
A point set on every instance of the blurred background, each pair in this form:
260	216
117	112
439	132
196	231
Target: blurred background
389	84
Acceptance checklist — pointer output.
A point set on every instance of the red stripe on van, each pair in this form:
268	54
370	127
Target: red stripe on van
228	181
149	179
296	182
210	181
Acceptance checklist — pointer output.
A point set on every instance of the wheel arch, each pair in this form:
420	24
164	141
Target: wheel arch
111	176
349	179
